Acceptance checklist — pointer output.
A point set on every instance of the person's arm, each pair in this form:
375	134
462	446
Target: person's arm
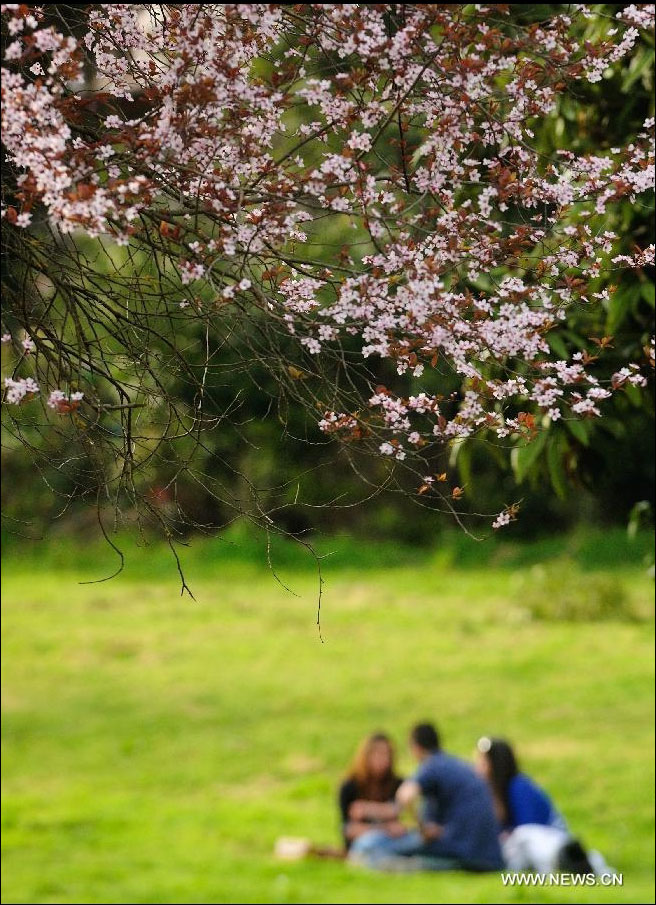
355	828
348	794
408	793
379	811
407	796
431	831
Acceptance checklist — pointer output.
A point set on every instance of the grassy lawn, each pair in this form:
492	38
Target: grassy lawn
155	747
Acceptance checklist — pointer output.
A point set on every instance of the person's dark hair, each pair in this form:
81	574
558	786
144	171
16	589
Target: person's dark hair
503	767
425	735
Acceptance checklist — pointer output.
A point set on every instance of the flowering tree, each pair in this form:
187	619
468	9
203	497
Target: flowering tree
348	196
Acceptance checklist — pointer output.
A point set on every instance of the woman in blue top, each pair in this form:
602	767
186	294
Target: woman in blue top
517	799
534	836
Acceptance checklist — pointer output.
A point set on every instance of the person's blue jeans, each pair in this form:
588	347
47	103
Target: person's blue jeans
377	849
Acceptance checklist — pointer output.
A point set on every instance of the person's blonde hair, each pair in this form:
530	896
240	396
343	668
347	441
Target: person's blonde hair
371	787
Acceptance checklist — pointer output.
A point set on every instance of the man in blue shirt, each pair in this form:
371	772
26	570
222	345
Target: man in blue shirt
458	826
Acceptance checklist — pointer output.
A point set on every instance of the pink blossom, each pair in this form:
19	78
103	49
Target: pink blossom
18	390
64	402
235	177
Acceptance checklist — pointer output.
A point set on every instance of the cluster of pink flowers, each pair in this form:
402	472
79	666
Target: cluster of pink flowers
63	403
24	389
223	127
502	519
16	391
641	15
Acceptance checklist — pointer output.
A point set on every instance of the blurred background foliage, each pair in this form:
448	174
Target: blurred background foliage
597	471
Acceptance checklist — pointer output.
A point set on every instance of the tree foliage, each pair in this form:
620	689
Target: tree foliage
402	231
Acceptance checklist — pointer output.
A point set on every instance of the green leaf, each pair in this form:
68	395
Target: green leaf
558	345
524	457
640	65
619	307
648	293
613	426
556	452
575	339
633	394
465	465
578	430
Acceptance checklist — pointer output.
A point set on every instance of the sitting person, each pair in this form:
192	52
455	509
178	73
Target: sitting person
517	798
366	797
458	829
534	836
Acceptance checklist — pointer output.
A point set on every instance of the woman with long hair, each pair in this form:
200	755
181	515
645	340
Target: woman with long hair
517	798
534	835
366	796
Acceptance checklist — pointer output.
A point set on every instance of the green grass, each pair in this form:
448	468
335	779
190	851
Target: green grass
154	748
